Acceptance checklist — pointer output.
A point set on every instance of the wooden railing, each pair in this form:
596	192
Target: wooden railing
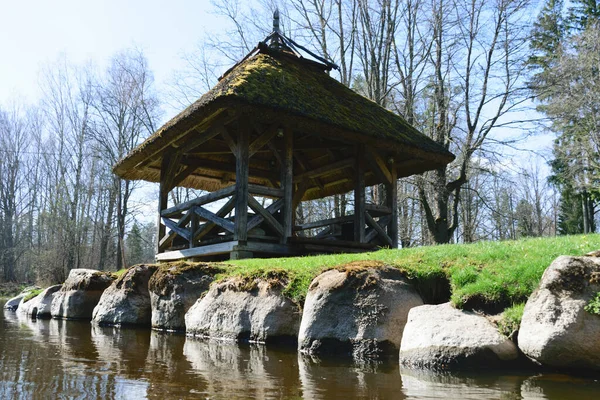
192	224
377	221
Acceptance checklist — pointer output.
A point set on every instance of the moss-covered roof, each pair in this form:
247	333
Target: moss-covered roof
272	83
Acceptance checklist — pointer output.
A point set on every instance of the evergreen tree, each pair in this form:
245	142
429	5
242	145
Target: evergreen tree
135	245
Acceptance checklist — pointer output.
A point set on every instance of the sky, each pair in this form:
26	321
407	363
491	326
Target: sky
34	33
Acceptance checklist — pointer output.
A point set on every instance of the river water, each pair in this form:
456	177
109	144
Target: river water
53	359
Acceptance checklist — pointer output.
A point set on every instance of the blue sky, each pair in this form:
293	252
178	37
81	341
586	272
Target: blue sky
35	32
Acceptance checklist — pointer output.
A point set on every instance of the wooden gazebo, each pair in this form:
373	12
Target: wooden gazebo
276	126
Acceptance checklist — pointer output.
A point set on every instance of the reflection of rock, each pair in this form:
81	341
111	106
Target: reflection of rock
40	306
557	386
127	300
358	309
237	309
248	371
80	293
13	303
440	336
331	378
174	289
125	349
555	329
423	384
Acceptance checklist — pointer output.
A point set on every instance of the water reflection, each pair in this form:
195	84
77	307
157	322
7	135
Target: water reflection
48	359
486	385
321	379
243	371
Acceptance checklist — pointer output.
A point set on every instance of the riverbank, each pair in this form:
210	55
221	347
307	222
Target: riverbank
453	306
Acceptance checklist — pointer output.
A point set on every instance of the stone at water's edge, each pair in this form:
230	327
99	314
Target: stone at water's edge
440	336
13	303
359	309
238	309
127	300
173	290
555	329
40	306
80	293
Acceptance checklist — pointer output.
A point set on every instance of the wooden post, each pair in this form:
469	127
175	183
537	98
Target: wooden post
287	184
163	197
359	196
392	203
241	184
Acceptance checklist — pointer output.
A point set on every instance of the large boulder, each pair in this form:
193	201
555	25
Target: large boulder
39	306
440	337
359	310
556	330
80	293
127	300
13	303
245	309
174	289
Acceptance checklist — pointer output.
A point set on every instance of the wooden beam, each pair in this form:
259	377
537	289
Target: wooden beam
230	140
221	166
262	140
324	222
205	228
215	219
167	239
380	232
241	185
326	169
268	217
380	168
200	201
174	226
265	191
359	195
287	184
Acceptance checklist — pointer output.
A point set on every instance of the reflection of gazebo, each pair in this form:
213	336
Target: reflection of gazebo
277	126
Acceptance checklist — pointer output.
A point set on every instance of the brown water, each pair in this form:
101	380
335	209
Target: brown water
75	360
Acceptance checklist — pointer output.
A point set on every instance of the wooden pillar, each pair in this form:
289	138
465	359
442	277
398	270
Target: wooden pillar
287	184
193	229
392	203
241	184
359	195
163	197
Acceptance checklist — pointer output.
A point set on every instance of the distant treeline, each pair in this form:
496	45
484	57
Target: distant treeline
468	74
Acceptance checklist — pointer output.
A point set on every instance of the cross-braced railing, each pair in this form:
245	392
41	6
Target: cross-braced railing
193	224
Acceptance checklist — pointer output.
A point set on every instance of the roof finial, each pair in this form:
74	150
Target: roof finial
276	21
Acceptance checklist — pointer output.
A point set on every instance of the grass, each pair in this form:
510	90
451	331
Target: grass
511	319
32	294
491	276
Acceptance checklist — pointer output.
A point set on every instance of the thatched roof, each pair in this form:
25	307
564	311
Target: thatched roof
273	86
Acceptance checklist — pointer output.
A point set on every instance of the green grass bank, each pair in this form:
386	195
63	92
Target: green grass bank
490	276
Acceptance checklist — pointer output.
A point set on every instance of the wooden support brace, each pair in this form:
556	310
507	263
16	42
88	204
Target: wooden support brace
262	140
215	219
272	209
380	168
268	217
230	141
380	231
204	229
